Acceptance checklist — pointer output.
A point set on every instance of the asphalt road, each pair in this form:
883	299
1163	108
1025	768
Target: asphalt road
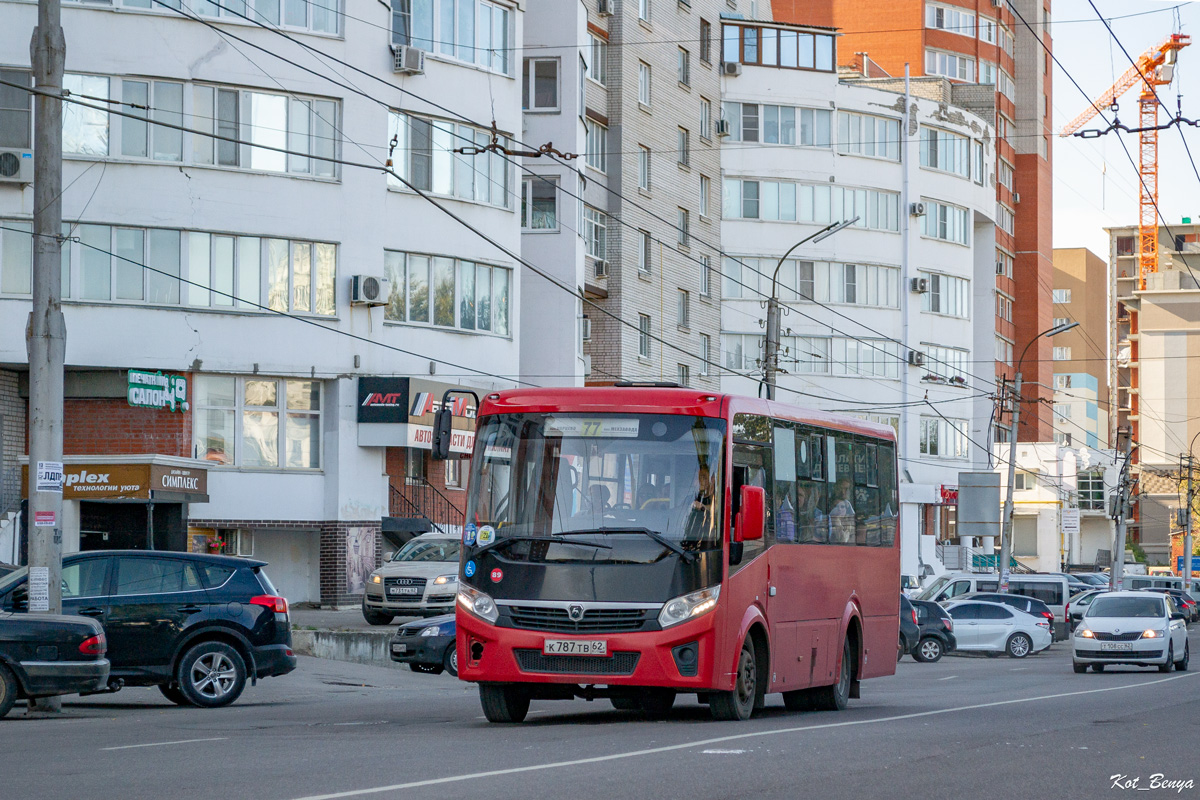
967	727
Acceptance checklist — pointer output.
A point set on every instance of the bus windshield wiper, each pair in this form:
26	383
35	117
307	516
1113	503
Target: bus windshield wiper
527	538
674	547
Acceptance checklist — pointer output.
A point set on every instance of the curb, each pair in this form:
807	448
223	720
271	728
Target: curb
357	647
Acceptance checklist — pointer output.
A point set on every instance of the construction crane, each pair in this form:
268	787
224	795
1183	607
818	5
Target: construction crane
1155	67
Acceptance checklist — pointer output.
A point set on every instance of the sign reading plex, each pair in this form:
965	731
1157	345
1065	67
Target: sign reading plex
156	390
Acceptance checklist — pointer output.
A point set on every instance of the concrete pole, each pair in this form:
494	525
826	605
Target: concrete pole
1187	537
771	355
1116	579
1007	532
46	333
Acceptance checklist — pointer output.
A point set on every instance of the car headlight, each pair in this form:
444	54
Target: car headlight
376	578
1152	634
478	603
681	609
1085	633
432	630
441	580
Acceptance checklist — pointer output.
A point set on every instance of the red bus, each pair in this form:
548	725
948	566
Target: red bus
635	543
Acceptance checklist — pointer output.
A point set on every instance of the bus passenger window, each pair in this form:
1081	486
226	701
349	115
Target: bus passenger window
841	498
785	485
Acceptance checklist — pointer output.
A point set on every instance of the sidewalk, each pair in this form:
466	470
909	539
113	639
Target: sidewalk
350	619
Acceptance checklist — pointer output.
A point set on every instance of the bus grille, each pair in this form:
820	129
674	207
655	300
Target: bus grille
620	663
595	620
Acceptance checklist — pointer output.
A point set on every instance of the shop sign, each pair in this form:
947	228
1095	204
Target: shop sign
400	412
949	495
129	481
421	436
1070	521
156	390
383	400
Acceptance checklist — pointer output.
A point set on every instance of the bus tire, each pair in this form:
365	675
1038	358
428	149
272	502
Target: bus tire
503	702
837	696
738	705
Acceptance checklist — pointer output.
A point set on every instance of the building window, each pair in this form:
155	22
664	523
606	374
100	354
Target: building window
16	110
539	204
643	83
597	146
820	281
684	142
868	135
1006	86
1004	350
705	352
806	202
448	293
685	67
1004	174
1092	490
1062	381
1058	321
945	151
1126	246
1061	295
539	84
944	437
1025	480
946	222
950	18
644	10
949	65
473	31
684	375
595	227
414	467
739	350
1062	410
948	363
140	139
987	30
1004	307
705	191
1062	354
1004	264
683	309
705	118
705	287
749	122
644	167
644	243
257	422
644	335
773	47
454	473
987	72
682	225
425	157
597	69
705	41
313	17
947	295
1005	219
1007	43
837	355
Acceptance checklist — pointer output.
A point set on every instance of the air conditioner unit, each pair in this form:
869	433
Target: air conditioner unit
916	209
604	7
367	290
722	127
732	68
997	3
999	267
1016	198
16	166
601	269
919	285
408	60
916	358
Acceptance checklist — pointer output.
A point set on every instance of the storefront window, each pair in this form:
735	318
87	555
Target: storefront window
258	422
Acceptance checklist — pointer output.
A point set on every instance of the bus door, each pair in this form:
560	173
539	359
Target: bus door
791	637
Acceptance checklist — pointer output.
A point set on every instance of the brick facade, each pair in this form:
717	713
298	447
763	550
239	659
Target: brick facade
107	426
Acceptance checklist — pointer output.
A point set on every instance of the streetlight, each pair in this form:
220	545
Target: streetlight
771	356
1006	533
1187	537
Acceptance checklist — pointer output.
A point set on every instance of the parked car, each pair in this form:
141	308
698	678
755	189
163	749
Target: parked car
1186	603
1074	582
1094	578
43	655
1020	602
420	580
427	645
1050	589
937	632
196	626
997	628
1138	628
910	632
1078	604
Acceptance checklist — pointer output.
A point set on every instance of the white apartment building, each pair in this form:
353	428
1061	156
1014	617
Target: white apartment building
302	414
880	317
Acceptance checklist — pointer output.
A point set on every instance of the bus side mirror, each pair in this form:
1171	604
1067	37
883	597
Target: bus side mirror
443	424
750	518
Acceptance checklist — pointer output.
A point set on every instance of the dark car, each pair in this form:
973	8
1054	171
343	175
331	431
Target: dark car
1187	603
1020	602
427	645
910	632
42	655
937	632
196	626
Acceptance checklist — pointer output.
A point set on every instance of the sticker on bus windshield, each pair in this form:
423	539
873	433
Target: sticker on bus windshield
487	535
611	427
469	569
469	534
497	575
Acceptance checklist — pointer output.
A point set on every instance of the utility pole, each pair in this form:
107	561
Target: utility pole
1187	536
46	333
1007	532
1120	510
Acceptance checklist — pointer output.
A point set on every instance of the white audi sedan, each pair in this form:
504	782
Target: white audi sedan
1136	628
997	628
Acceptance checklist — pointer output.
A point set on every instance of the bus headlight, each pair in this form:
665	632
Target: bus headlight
477	603
681	609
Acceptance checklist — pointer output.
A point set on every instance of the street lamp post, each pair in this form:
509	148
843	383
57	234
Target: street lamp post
1006	533
1187	536
771	352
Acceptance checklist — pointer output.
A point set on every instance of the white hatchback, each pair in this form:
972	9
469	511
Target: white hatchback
997	628
1136	628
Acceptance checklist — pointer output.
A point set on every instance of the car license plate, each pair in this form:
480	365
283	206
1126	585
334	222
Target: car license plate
404	590
399	648
575	647
1118	646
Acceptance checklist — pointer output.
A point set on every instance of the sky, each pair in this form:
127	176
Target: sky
1095	185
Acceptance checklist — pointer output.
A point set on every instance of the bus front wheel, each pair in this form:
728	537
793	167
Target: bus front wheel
503	703
739	704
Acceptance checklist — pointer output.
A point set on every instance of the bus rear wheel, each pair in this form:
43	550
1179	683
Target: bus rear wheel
837	696
503	703
738	705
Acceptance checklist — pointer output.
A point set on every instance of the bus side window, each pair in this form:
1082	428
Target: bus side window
888	505
752	467
842	522
785	484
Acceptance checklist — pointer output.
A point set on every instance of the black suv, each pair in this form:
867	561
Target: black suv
196	626
910	633
937	631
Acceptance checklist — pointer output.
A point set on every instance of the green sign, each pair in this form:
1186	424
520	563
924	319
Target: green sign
156	390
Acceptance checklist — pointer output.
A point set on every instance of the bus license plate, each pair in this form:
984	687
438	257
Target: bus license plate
404	590
575	647
1118	646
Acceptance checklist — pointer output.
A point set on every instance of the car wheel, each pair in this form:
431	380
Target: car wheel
503	703
171	692
8	691
738	705
1182	664
1170	662
837	696
1019	645
211	674
929	650
375	617
1097	668
1080	668
427	669
450	660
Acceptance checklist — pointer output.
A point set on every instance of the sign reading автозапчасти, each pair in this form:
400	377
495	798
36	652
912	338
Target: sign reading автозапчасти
156	390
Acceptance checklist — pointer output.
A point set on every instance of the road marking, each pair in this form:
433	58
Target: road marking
723	752
1017	669
163	744
948	678
471	776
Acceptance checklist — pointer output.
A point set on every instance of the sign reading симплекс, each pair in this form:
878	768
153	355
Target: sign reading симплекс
156	390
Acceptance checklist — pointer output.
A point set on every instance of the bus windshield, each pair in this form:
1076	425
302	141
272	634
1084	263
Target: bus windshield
615	481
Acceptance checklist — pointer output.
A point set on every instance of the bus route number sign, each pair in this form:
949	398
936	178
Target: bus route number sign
592	427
